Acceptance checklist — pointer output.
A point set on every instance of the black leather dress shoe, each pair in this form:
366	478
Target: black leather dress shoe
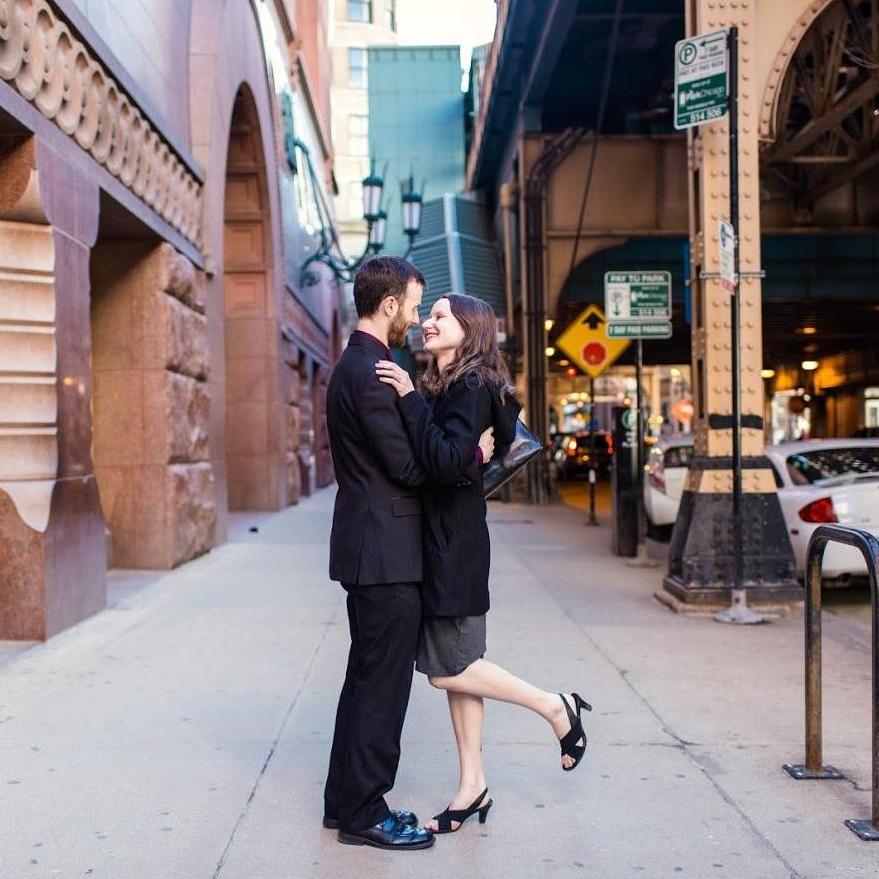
409	818
390	834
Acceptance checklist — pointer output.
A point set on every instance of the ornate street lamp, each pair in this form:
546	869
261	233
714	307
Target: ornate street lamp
372	196
412	203
330	250
378	228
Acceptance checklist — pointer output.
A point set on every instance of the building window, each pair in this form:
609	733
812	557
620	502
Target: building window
357	77
358	134
360	10
391	15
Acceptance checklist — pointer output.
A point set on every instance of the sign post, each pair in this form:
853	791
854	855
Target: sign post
639	307
738	611
587	344
707	88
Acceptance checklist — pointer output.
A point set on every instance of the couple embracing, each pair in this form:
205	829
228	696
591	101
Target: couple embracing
410	546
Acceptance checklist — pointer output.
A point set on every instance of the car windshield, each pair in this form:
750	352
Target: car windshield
845	464
678	456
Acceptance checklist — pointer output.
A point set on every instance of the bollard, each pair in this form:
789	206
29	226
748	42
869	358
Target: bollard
814	769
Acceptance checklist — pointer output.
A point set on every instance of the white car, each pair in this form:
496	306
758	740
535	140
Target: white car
826	481
665	473
818	482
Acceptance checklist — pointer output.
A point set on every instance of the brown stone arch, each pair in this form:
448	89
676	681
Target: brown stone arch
253	453
230	90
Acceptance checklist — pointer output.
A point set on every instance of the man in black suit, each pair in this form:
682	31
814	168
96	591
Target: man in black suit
375	553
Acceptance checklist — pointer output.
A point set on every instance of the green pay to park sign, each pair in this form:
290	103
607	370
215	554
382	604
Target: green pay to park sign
638	305
701	79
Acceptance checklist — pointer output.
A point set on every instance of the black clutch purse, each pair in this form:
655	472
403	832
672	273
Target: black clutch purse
500	470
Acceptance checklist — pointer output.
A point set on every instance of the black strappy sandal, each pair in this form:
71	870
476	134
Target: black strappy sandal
444	819
568	743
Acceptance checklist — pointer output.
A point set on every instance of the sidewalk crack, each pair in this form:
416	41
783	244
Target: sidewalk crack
680	743
271	753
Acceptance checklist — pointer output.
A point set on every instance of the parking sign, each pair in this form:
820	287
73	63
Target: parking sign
701	79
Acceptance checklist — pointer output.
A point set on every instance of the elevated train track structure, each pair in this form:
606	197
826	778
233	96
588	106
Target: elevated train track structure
809	184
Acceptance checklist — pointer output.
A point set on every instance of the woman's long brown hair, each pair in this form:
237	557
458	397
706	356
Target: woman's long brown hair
478	353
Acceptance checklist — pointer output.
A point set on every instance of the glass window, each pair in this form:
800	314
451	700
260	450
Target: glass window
357	68
779	482
843	465
391	15
678	456
358	134
360	10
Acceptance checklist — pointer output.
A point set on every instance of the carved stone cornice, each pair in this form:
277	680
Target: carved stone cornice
48	66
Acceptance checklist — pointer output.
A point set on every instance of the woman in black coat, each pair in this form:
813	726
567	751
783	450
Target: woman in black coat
469	391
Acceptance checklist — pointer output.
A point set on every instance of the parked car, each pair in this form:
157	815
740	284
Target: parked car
818	481
822	481
573	455
665	472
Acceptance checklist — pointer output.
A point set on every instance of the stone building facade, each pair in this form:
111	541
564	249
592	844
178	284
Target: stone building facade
165	168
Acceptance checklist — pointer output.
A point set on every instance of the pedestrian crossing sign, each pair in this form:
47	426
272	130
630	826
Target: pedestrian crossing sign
587	344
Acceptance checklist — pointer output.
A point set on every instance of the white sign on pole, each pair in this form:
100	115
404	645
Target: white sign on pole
727	256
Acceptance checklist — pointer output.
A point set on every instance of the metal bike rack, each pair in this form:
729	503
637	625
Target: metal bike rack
814	769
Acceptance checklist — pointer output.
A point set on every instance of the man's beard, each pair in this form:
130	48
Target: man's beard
397	331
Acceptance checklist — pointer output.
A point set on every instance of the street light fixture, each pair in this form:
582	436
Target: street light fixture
378	227
412	204
810	365
329	251
373	185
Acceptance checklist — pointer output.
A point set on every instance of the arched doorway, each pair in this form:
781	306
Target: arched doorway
254	461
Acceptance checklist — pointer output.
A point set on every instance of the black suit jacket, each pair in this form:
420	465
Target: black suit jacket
445	432
376	535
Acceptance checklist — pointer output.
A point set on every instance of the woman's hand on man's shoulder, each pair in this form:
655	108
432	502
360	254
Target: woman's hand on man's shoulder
395	376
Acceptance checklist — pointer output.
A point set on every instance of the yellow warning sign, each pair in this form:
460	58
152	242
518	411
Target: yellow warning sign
585	341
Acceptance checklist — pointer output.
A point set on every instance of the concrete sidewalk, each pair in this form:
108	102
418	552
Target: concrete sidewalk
185	731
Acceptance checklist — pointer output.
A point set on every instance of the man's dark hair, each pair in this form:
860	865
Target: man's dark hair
380	277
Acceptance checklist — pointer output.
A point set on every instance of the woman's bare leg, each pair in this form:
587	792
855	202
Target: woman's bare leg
468	714
489	681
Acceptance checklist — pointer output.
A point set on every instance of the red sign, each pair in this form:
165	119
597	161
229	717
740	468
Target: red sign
683	410
594	353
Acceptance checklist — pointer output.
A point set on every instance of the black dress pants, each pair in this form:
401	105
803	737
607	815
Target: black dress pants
384	622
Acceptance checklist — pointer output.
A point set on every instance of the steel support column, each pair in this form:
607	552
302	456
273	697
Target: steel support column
702	560
534	298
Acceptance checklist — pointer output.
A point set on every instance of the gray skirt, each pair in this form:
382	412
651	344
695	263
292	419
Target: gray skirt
447	645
